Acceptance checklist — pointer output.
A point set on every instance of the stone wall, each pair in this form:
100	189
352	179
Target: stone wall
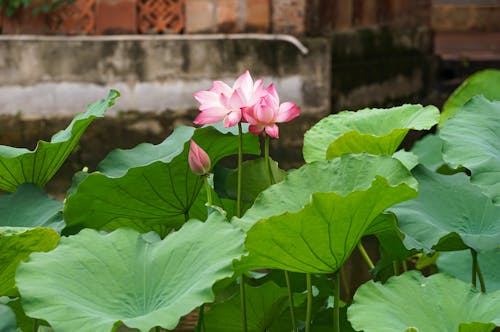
381	66
154	73
45	80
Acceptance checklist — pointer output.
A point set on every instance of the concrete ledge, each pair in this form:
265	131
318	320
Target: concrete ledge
56	75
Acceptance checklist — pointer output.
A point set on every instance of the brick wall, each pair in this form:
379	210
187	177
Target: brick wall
327	16
297	17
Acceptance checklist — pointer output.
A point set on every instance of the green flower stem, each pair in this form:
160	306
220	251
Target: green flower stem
266	158
240	162
200	327
309	302
336	303
243	303
365	256
208	189
238	214
157	329
405	266
290	301
287	277
345	284
474	267
395	267
36	323
477	271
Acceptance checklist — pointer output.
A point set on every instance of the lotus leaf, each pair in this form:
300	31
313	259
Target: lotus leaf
94	281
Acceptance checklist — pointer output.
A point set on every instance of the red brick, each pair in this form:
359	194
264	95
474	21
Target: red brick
160	16
227	16
258	18
200	16
289	16
76	18
115	17
24	22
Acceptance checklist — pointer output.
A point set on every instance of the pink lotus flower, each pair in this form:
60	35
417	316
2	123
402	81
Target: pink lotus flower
222	102
264	115
198	159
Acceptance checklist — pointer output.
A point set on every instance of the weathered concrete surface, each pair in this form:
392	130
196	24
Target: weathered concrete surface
380	66
47	76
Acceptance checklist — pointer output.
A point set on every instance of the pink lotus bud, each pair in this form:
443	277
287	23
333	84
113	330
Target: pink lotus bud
198	159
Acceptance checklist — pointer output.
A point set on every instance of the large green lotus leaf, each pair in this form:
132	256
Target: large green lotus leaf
486	82
254	181
407	158
150	186
449	214
476	327
7	319
472	139
459	265
94	281
17	244
19	165
30	206
24	323
437	303
340	175
376	131
265	305
429	151
322	235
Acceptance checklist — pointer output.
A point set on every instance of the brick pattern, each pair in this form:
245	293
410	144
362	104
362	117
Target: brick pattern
289	16
258	16
327	16
297	17
24	22
116	17
200	16
226	16
160	16
76	18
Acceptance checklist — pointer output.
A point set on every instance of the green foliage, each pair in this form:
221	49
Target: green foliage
486	83
93	281
436	303
8	319
19	165
375	131
30	206
17	244
449	214
472	140
150	187
458	264
267	307
324	232
340	175
139	259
